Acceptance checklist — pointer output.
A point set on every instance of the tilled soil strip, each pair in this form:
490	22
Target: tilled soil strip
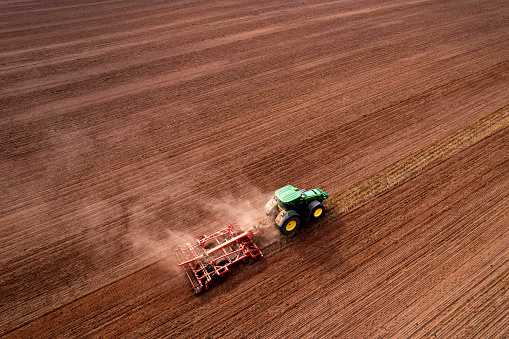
414	164
409	167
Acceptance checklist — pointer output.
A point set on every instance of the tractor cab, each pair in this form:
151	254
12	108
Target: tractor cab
288	198
289	206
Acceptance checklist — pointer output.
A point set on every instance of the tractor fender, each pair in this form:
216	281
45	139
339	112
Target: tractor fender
289	223
284	215
271	209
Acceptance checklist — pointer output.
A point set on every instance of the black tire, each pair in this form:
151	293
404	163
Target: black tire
209	244
222	262
290	224
316	210
222	269
210	268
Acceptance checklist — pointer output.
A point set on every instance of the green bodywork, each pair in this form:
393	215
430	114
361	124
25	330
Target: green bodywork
290	198
287	194
315	194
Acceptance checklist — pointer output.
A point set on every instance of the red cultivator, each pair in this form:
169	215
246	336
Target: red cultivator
208	258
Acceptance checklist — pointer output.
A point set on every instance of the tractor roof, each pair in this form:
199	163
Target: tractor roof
287	194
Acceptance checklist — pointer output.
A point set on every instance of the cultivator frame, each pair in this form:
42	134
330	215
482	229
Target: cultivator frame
209	257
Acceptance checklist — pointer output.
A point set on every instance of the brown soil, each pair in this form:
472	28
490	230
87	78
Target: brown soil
128	127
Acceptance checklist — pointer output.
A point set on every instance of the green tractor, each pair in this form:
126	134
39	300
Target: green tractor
290	206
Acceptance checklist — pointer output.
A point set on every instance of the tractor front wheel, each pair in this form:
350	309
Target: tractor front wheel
316	210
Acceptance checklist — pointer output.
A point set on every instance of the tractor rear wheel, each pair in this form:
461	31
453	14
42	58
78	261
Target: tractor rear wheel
316	210
290	225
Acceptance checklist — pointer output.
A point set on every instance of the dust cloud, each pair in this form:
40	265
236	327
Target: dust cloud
248	213
152	236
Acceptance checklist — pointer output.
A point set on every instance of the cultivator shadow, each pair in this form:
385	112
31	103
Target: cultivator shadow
209	257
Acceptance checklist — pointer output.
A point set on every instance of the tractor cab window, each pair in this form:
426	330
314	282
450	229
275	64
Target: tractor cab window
292	205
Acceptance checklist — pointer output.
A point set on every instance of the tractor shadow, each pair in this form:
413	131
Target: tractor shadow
321	239
319	245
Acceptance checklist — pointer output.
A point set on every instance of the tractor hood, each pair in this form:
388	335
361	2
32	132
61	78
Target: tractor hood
316	193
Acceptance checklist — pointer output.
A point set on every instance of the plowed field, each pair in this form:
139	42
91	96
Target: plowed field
128	127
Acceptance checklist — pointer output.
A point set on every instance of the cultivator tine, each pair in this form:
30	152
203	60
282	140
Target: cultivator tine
203	264
227	243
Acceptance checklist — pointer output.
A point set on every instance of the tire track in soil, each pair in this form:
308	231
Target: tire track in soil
211	189
160	294
324	295
288	292
405	169
77	240
298	272
304	265
425	312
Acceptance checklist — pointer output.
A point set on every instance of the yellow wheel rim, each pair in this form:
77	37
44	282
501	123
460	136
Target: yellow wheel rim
318	212
291	225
